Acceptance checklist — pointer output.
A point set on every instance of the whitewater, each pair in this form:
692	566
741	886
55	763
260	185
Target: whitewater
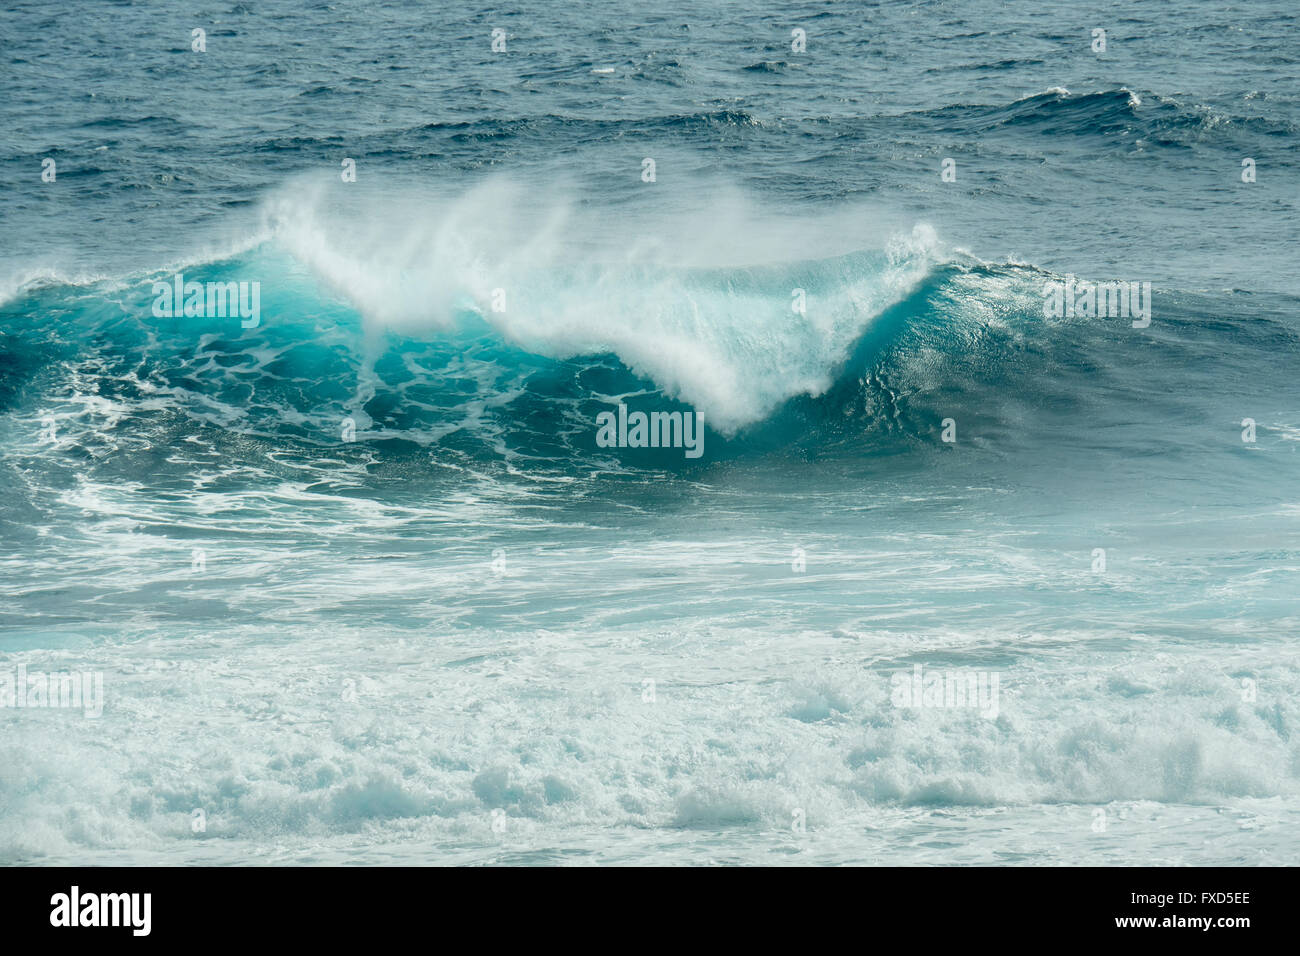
957	578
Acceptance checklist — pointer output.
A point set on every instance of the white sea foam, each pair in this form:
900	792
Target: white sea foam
325	739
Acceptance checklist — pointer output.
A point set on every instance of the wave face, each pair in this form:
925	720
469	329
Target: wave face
364	582
846	357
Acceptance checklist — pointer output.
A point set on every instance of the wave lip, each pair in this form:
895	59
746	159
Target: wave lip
733	340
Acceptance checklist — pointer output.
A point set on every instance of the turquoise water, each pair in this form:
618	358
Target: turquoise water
360	582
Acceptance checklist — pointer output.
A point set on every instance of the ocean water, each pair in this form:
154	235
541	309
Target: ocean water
358	579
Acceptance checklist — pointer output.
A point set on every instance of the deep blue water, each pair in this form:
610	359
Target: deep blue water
359	579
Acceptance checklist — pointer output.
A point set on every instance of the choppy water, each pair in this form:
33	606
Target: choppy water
361	584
